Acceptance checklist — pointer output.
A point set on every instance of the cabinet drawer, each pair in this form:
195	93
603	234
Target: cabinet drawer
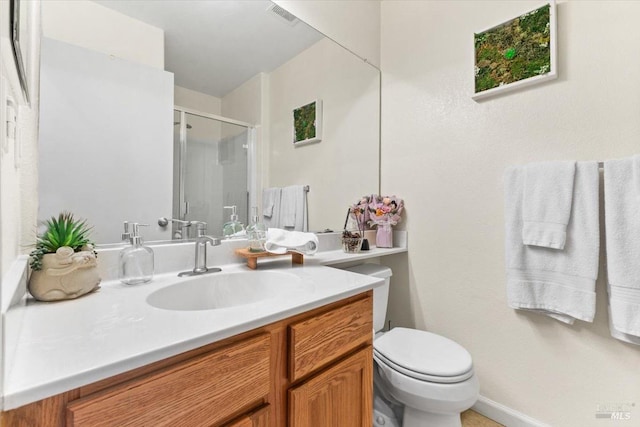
318	341
200	392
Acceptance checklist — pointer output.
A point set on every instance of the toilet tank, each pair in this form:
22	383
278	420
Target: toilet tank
380	294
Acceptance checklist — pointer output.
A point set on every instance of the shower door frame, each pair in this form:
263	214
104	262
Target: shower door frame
251	154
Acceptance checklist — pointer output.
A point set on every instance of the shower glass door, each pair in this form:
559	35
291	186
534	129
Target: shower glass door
210	170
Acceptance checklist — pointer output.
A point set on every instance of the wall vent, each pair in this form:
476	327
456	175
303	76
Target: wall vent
283	14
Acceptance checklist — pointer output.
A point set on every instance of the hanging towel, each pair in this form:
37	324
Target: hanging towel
559	284
271	206
280	241
622	220
546	206
292	207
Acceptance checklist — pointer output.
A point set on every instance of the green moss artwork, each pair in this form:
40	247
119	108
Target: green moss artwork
304	122
514	51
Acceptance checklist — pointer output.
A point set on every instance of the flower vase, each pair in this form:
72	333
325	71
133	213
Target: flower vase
384	235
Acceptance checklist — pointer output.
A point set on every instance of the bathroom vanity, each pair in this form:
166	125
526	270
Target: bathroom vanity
282	345
316	365
305	355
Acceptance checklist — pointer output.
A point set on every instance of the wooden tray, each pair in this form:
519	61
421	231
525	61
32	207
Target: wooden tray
252	257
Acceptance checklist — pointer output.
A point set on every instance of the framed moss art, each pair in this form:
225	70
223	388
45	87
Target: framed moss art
516	53
307	123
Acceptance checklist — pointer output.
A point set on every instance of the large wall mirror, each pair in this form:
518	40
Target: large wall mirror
176	109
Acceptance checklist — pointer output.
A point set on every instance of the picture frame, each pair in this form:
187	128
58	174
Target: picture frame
18	41
307	123
516	53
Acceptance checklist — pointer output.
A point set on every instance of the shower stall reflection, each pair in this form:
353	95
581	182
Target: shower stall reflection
211	158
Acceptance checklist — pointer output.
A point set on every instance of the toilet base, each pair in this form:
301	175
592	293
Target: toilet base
415	418
386	413
381	419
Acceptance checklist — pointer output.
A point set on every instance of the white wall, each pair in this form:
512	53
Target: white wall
18	168
445	154
244	102
354	24
88	24
197	100
349	90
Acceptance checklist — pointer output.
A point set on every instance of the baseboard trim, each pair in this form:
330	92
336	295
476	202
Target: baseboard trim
504	415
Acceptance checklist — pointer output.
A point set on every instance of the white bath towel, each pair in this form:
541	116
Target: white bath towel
622	220
546	205
559	284
292	208
280	241
271	206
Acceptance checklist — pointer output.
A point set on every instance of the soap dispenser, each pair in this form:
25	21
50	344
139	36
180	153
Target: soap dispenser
233	228
135	261
256	232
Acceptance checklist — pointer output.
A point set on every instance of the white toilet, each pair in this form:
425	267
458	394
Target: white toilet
420	379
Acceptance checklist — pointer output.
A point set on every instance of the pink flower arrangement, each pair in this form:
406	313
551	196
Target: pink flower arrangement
385	210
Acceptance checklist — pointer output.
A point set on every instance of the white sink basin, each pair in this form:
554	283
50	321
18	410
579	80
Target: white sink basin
224	290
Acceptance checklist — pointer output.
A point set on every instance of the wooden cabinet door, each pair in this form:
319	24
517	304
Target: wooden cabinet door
340	396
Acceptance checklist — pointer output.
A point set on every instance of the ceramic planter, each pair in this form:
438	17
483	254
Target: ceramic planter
65	275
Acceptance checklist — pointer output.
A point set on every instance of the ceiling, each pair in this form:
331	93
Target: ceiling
213	46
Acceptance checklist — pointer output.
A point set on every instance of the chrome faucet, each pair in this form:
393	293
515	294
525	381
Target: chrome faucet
184	227
200	264
201	227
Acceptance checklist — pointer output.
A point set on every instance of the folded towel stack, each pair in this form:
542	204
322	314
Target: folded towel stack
622	219
280	241
550	270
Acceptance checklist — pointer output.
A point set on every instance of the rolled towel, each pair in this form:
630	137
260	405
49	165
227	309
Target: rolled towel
280	241
622	221
559	284
546	204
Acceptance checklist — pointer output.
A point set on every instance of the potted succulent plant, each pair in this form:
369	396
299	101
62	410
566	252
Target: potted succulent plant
63	264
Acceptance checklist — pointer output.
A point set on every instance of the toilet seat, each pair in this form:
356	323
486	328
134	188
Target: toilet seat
424	356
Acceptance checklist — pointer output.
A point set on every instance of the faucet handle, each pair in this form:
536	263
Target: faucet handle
164	221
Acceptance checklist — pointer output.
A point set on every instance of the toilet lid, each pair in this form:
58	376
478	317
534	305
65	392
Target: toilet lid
424	355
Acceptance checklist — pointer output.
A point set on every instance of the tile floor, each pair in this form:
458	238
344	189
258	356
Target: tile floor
473	419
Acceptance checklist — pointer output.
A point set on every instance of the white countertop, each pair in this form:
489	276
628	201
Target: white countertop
337	257
56	347
50	348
